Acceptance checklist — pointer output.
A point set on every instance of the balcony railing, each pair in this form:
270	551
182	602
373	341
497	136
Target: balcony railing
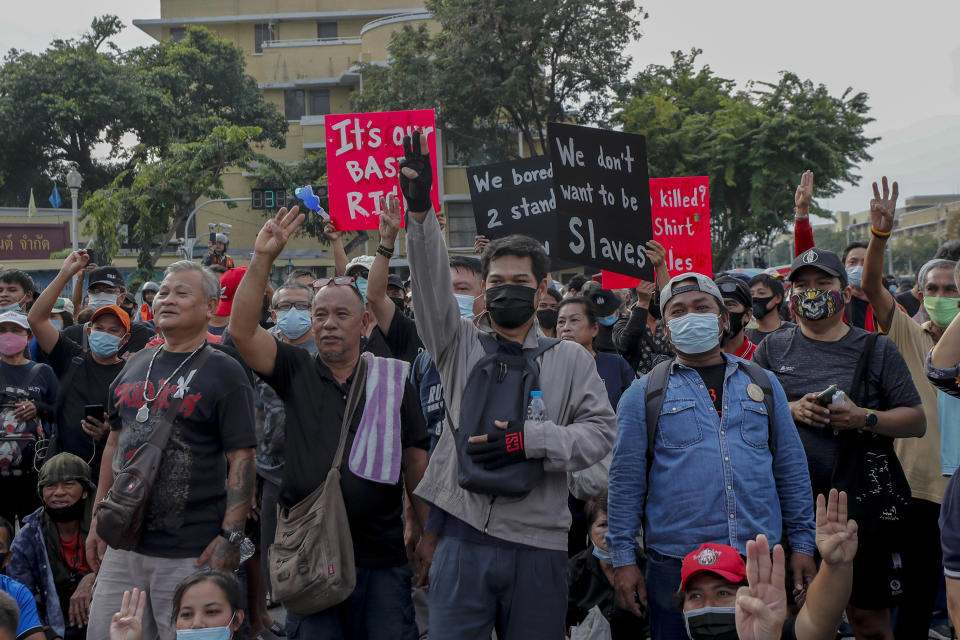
309	42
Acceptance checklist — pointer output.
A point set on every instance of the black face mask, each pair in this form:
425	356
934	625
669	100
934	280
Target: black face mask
399	303
66	514
760	307
510	305
547	318
736	325
712	623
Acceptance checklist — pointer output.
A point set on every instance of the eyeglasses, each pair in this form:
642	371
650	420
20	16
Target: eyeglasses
340	281
286	306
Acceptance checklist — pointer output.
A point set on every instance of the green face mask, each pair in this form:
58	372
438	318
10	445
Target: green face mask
942	310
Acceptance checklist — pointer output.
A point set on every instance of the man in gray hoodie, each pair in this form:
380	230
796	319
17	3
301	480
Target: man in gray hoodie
498	561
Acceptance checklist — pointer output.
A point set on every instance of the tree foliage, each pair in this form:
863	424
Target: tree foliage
161	194
311	170
499	67
753	143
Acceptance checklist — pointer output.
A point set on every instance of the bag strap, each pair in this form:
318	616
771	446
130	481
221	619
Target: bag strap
353	400
75	363
656	393
858	390
164	428
32	375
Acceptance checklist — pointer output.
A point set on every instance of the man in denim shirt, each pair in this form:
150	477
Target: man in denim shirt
721	471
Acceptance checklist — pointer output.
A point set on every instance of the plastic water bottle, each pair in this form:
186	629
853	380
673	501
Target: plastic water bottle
536	409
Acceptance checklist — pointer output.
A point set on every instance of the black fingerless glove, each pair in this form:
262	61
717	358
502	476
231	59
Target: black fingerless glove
500	449
416	191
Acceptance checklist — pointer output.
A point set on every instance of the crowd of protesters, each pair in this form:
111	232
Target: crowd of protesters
480	451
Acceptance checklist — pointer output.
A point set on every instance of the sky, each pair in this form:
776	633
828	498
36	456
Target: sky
905	55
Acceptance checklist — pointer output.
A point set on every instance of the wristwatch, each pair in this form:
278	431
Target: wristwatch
233	537
871	420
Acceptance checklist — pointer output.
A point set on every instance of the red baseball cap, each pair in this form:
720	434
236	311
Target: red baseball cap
229	282
112	309
720	559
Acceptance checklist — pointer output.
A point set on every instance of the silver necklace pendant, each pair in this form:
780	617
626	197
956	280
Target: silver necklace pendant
143	414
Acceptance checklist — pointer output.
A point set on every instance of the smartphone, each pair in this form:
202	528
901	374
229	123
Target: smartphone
94	410
213	236
825	396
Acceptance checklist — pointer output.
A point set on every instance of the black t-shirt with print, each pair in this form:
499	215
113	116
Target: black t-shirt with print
713	379
90	384
402	337
315	403
189	499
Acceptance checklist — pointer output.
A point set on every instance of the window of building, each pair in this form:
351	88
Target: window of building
178	33
450	152
326	30
460	224
319	100
262	32
293	104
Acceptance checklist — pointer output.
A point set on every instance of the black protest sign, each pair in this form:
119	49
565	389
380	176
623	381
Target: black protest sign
603	198
516	197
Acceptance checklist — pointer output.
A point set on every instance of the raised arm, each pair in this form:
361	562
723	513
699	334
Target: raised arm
380	303
336	243
802	231
658	257
882	210
256	346
78	287
39	316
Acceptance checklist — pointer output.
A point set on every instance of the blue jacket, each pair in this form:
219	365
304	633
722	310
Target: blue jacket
30	566
711	479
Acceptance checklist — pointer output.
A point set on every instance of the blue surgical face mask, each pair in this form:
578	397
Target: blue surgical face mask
213	633
695	333
609	321
57	321
465	302
601	555
855	276
294	322
12	307
104	344
362	285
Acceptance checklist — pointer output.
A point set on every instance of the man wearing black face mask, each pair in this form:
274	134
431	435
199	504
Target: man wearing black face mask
547	312
737	299
767	295
515	548
48	554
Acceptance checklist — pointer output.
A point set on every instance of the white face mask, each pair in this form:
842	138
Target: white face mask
100	300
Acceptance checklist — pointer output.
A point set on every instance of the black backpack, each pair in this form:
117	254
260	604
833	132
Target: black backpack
657	381
498	388
20	446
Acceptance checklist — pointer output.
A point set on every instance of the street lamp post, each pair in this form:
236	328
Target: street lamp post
74	180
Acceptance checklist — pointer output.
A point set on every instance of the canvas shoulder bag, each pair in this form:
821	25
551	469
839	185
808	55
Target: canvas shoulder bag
122	512
312	566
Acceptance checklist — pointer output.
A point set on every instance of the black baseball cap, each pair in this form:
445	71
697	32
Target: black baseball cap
106	275
735	289
393	280
606	302
826	261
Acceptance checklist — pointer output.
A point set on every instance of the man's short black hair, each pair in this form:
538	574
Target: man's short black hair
520	246
554	294
576	282
769	281
850	247
5	524
949	251
467	262
22	278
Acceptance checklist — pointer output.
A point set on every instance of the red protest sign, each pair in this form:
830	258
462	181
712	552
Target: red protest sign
680	209
363	156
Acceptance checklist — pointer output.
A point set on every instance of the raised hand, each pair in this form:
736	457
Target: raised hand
804	194
126	623
657	255
330	230
390	220
883	209
480	243
416	174
762	606
442	220
836	535
75	262
645	291
276	232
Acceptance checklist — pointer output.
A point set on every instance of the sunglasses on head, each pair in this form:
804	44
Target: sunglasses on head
340	281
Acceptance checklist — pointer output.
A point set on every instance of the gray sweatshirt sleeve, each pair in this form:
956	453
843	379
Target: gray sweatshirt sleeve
438	316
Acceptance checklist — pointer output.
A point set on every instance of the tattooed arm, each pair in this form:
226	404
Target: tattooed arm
241	481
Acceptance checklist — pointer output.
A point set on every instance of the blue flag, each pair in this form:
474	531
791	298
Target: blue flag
55	200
